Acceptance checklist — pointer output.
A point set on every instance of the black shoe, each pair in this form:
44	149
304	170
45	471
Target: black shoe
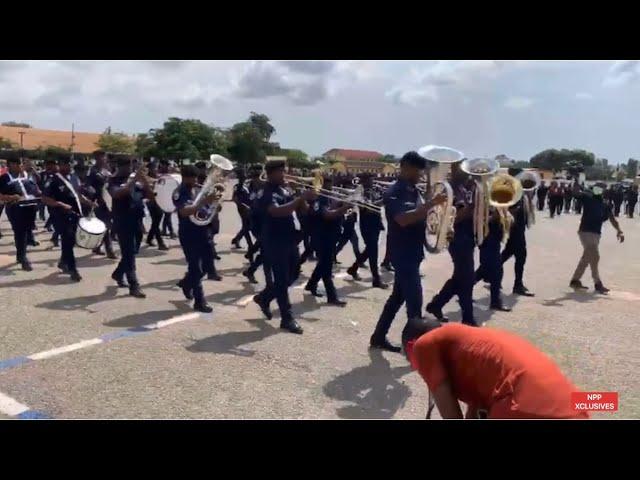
235	245
26	266
217	257
75	276
264	307
34	243
250	276
471	324
500	308
120	281
185	291
63	267
379	284
163	247
313	291
354	273
388	267
291	326
97	251
202	307
111	255
336	262
577	284
600	288
337	303
436	312
56	243
150	244
383	344
173	236
214	276
522	290
136	292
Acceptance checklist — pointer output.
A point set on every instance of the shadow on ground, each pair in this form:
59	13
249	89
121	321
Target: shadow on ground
231	343
373	391
140	319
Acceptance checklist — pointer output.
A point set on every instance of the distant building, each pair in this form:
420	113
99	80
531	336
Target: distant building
34	138
354	162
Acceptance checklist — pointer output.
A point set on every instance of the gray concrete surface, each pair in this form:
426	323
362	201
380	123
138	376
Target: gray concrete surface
234	364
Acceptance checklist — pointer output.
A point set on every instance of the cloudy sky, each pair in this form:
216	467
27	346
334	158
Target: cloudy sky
483	108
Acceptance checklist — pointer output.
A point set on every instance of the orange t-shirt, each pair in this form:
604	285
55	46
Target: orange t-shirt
495	370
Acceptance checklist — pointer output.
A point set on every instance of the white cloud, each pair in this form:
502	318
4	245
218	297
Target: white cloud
519	103
621	73
584	96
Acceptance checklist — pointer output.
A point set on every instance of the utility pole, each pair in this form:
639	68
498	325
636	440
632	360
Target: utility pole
21	145
73	137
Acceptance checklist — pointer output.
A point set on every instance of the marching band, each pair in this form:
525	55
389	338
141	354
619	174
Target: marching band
475	206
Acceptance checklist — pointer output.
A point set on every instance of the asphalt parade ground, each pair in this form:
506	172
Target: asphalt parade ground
88	350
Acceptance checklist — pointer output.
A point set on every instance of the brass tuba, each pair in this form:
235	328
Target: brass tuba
214	183
440	218
530	181
504	192
481	169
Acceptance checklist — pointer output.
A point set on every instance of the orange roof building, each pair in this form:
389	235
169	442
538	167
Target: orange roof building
33	138
347	161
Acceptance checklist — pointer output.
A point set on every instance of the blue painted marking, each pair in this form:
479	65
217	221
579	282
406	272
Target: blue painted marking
33	415
117	335
13	362
140	329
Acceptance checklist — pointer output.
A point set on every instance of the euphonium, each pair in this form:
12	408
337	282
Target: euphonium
504	192
440	218
482	169
530	181
213	184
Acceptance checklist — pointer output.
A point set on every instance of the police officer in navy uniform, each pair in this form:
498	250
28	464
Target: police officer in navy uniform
97	178
255	222
240	197
65	204
127	194
13	185
50	169
490	269
461	249
279	242
516	245
326	218
34	178
195	240
370	228
156	214
406	214
212	229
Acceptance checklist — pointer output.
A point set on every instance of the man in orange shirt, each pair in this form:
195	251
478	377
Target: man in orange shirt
490	370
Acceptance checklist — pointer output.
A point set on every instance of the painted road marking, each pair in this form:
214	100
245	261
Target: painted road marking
171	321
244	301
65	349
11	407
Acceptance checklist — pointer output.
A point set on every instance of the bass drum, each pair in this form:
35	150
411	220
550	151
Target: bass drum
90	232
164	188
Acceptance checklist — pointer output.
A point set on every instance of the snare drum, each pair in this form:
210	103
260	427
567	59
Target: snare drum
90	232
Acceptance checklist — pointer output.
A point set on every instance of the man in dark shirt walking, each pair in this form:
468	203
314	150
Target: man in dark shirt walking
595	212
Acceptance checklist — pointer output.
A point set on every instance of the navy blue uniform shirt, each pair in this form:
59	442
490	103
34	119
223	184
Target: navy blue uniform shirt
324	228
370	220
57	189
594	213
130	208
184	196
275	230
463	195
9	185
406	243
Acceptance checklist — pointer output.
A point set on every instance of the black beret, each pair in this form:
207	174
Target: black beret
14	160
64	160
413	159
189	171
49	161
273	165
513	171
123	161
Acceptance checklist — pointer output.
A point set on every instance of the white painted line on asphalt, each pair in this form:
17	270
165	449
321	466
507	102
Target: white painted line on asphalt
11	407
171	321
65	349
244	301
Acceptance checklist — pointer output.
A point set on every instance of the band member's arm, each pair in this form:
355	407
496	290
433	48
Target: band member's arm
335	213
447	402
288	208
52	202
9	198
185	210
410	217
616	225
122	191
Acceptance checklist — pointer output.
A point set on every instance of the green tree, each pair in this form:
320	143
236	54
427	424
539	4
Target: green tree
116	142
556	160
145	145
246	144
6	144
185	139
388	158
262	123
632	168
